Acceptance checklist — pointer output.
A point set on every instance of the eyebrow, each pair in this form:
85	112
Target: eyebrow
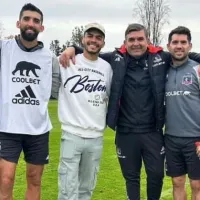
179	40
136	38
31	17
98	35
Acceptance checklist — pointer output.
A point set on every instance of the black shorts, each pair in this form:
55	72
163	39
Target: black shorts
35	147
181	157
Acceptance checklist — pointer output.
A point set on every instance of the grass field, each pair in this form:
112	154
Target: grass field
110	184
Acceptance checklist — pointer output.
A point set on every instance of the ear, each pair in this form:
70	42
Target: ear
190	46
41	28
168	46
148	41
103	44
82	40
125	43
18	24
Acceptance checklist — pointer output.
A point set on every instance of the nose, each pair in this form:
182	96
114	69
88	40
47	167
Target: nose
179	45
135	42
30	22
93	39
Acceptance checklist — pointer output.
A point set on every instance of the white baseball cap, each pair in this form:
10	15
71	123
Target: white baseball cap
95	26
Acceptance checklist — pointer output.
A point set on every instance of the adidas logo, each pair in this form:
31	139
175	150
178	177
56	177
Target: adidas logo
26	96
117	59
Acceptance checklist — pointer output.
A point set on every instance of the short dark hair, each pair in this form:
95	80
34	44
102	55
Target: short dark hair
30	7
136	27
182	30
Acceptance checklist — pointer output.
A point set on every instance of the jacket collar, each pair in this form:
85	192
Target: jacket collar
151	48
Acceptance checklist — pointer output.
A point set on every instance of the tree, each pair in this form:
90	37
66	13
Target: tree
153	14
76	39
77	35
55	47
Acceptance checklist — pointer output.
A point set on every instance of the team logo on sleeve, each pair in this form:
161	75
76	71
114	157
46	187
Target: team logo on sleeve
187	79
26	96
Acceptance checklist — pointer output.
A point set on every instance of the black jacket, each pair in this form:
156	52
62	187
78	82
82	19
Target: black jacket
158	64
137	104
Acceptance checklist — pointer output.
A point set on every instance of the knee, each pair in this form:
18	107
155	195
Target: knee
34	178
7	180
178	182
132	176
195	185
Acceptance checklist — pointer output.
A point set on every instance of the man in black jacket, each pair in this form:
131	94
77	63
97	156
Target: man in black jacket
136	109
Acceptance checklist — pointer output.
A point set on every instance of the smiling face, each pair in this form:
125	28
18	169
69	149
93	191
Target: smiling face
93	41
136	43
30	25
179	47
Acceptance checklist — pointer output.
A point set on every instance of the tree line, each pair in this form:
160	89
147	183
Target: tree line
153	14
76	38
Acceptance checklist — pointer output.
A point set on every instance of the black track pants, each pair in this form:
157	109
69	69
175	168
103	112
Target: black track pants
131	150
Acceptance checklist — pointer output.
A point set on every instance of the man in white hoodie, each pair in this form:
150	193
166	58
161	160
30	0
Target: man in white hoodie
82	108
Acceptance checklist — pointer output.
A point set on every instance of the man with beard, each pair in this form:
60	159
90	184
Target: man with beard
25	79
182	128
82	108
136	108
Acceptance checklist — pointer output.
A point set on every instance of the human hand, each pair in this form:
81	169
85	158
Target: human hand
66	56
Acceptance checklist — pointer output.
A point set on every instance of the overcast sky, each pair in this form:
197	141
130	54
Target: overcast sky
61	16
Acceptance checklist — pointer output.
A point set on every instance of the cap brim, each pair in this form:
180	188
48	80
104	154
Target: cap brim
95	28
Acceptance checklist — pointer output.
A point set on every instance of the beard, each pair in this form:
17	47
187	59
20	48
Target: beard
142	50
98	49
175	58
29	36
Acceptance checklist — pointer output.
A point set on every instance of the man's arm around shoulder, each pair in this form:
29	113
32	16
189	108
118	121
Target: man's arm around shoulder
194	56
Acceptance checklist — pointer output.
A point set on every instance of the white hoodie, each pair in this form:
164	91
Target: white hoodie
83	96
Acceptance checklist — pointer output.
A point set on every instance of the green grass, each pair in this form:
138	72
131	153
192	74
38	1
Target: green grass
110	184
